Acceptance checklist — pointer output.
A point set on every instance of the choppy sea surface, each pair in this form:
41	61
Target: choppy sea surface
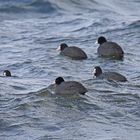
30	32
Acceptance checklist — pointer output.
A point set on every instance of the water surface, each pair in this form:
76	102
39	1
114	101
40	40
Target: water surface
30	32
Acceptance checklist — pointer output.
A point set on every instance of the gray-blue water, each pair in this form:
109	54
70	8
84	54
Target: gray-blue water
30	32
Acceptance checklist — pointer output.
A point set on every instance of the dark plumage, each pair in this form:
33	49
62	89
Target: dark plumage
68	87
111	76
7	73
72	52
109	49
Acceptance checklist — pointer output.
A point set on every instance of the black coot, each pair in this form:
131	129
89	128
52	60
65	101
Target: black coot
109	49
68	87
111	76
72	52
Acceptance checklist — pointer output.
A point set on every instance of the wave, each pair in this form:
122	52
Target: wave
42	6
135	24
36	6
66	6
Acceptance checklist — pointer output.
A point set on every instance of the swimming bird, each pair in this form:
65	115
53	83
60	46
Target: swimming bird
6	73
109	49
110	76
68	87
72	52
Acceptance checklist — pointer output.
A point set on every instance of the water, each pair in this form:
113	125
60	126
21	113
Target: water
30	31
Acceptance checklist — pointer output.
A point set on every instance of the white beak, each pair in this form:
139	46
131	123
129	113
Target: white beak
96	42
59	48
94	71
4	74
53	82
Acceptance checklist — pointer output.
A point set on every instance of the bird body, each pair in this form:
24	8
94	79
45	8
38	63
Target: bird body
68	87
109	49
72	52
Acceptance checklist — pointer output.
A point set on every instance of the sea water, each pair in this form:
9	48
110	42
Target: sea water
30	32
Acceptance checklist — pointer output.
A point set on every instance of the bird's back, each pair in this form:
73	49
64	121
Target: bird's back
114	76
70	87
110	49
74	53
